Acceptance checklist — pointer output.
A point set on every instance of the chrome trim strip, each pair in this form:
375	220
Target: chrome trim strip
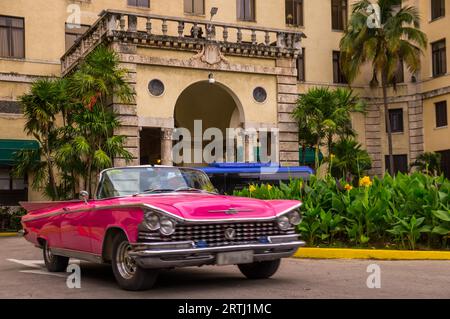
176	217
77	254
160	252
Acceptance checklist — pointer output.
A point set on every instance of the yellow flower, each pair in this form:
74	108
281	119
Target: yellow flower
252	188
269	187
348	187
365	181
332	156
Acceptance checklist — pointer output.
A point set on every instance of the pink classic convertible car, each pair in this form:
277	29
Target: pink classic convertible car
148	218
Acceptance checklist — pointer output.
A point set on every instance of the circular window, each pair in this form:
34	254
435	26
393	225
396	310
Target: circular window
156	87
260	94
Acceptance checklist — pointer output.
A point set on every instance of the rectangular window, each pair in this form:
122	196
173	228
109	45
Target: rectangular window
301	66
396	119
437	9
194	6
445	162
139	3
294	12
12	37
439	55
339	14
400	75
400	163
441	114
73	32
338	77
12	189
246	10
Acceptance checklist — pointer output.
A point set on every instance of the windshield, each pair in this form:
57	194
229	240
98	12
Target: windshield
147	180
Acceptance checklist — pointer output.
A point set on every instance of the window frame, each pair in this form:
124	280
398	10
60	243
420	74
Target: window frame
244	18
301	23
137	4
73	33
193	12
441	69
13	195
400	111
441	121
338	76
396	162
9	56
433	10
301	76
342	19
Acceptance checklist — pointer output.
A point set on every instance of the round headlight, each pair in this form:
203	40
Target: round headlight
167	227
152	221
295	218
283	223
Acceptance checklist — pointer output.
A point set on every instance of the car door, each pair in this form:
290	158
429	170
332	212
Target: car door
76	228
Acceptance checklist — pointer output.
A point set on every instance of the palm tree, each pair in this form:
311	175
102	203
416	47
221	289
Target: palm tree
41	107
397	39
349	159
92	145
322	114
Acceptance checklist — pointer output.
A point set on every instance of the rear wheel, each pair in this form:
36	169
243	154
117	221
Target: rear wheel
128	274
54	263
260	270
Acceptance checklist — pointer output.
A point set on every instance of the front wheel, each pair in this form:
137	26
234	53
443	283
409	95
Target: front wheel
128	274
260	270
54	263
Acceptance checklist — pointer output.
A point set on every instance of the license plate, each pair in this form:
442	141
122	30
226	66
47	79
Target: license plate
235	258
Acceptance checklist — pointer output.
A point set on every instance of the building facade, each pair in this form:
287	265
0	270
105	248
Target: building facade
243	69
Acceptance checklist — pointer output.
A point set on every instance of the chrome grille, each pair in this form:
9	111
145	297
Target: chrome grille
214	234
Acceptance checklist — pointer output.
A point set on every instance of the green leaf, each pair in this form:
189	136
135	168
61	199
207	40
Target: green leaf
442	215
441	230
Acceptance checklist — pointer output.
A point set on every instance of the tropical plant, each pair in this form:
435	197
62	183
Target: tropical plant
73	153
397	40
408	211
348	159
322	113
41	108
428	163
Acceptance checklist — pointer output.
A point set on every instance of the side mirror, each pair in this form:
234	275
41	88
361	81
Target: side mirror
84	195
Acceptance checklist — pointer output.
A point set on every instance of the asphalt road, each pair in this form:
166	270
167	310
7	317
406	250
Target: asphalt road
22	276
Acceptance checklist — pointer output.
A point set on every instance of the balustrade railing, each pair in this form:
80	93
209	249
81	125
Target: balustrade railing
182	32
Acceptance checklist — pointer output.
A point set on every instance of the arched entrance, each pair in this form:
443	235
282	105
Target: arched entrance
214	104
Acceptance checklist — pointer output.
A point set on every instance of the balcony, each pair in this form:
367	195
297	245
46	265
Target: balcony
182	34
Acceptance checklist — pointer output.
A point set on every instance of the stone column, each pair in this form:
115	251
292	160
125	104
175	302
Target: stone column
166	146
416	131
127	112
287	100
373	138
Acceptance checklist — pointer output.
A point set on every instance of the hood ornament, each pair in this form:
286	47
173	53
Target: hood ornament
231	211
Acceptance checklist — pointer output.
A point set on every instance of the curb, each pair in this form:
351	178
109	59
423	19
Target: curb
9	234
339	253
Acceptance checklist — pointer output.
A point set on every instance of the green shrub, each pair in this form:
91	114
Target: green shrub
10	218
405	211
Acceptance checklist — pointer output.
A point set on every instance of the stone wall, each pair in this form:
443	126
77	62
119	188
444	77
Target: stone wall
287	100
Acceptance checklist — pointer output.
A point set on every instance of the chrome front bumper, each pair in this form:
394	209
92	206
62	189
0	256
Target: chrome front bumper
186	254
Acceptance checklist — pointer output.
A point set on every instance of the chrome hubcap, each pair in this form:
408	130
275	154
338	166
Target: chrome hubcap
125	264
48	254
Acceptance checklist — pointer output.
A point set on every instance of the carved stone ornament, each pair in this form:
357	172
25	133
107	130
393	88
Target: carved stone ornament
210	54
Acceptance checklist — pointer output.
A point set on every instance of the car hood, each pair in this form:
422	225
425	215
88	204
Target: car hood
209	206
